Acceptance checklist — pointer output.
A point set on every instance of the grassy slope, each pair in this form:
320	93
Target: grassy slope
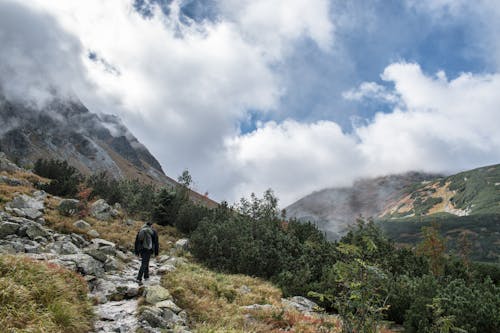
39	297
214	302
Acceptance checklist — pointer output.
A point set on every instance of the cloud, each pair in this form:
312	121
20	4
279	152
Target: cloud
39	59
439	125
273	24
183	87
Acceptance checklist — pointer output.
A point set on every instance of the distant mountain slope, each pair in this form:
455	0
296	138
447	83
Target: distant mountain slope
465	205
66	129
467	193
334	209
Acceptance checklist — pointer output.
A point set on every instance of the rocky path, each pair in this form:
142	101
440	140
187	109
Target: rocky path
110	272
117	294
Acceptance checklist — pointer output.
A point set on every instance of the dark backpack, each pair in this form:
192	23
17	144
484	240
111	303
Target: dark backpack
146	238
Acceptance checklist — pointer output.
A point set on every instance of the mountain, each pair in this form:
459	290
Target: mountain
473	192
65	129
334	209
465	205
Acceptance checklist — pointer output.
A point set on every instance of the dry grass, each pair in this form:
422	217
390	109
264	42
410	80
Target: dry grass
214	303
40	297
114	230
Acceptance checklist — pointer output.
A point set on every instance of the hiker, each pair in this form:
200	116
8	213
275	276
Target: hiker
146	243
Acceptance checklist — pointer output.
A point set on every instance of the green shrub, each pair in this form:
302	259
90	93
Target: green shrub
64	177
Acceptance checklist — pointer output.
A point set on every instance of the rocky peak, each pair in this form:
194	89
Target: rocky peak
66	129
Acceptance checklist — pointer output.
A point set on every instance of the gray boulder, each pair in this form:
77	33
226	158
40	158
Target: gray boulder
182	244
153	316
300	304
66	247
34	230
8	228
7	165
101	210
10	181
168	304
82	225
23	201
85	264
78	240
93	233
96	254
156	294
68	207
111	264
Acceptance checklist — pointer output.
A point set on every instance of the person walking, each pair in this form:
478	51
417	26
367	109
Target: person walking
146	244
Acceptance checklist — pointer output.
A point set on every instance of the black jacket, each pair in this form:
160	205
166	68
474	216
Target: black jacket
138	244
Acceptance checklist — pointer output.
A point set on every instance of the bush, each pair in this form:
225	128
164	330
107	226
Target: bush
189	216
64	178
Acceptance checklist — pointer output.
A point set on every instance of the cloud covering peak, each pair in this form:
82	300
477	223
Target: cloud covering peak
210	93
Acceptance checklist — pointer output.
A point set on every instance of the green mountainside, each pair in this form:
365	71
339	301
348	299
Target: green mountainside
467	193
465	207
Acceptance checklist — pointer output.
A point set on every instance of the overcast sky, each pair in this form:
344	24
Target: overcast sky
293	95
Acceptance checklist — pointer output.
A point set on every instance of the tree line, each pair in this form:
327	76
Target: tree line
364	277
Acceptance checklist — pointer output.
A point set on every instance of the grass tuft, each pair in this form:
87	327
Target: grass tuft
41	297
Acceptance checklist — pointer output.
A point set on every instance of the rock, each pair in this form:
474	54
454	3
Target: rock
111	264
13	181
68	207
32	248
244	289
81	224
99	243
258	307
85	264
39	195
168	304
163	258
66	247
122	256
153	316
31	213
23	201
156	294
93	233
96	254
166	269
8	228
129	222
100	210
78	240
115	213
175	261
7	165
300	304
171	318
182	244
34	230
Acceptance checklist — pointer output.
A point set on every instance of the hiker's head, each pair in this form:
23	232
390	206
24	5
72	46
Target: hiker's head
149	222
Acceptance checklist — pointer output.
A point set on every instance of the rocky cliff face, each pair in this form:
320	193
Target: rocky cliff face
66	129
334	209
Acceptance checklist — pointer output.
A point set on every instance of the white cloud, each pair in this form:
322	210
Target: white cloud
439	125
273	24
182	89
371	90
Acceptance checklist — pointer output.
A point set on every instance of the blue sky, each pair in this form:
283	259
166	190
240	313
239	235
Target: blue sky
294	95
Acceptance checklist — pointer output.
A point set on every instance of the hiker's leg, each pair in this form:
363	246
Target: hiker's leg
147	254
144	264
